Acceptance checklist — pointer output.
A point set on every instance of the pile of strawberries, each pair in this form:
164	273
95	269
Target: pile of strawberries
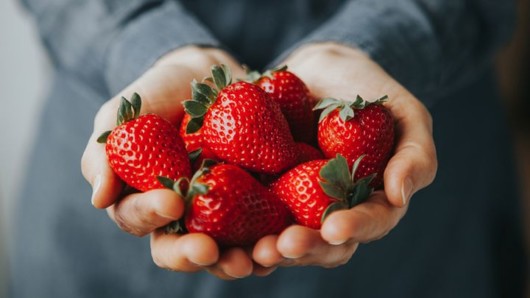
249	159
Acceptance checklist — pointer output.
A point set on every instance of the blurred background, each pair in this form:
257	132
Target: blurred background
23	84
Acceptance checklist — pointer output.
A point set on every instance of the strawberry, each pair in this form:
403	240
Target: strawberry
293	97
316	188
141	148
194	144
356	128
240	124
307	153
228	204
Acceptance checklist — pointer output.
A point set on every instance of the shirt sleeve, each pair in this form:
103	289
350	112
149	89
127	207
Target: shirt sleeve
427	45
111	43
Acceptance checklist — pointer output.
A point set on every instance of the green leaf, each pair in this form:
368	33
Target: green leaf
180	189
333	190
193	155
208	163
355	165
228	74
221	75
279	68
102	139
194	108
361	191
194	125
199	189
326	102
166	182
346	113
202	93
124	112
175	227
359	101
136	102
326	112
336	178
332	208
381	99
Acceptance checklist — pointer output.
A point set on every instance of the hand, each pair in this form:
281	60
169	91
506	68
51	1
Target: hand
332	70
162	88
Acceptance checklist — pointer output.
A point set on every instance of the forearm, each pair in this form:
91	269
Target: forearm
109	44
427	46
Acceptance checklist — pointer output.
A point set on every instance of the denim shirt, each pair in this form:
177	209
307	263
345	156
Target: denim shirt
426	45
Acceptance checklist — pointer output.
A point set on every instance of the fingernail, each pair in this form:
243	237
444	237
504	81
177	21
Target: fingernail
337	242
95	187
406	190
237	276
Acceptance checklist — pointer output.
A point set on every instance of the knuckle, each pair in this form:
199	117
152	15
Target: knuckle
123	223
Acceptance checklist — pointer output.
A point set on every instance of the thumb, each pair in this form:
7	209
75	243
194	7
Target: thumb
414	163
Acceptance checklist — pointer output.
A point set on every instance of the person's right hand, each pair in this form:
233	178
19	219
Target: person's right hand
162	88
339	71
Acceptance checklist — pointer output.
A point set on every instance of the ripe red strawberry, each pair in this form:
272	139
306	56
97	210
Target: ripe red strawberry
314	189
308	153
356	128
232	207
141	148
240	124
194	144
305	153
293	97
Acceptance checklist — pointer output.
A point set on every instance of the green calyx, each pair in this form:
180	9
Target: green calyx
127	111
203	95
339	183
187	189
346	108
253	75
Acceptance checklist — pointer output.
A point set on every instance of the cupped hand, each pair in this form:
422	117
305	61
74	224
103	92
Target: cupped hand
332	70
162	88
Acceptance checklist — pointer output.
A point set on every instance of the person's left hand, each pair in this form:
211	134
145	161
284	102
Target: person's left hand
332	70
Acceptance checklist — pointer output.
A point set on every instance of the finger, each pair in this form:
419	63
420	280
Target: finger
106	185
366	222
304	246
234	263
414	164
162	89
263	271
185	253
142	213
265	252
297	241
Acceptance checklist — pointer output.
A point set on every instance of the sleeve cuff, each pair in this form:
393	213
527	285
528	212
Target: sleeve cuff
149	36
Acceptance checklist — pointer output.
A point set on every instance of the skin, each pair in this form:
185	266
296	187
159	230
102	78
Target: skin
343	73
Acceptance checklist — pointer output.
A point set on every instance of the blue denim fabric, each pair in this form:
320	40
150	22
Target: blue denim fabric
428	46
461	236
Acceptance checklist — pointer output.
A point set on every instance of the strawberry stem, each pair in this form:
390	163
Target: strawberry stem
338	182
253	75
204	96
186	189
346	108
127	111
